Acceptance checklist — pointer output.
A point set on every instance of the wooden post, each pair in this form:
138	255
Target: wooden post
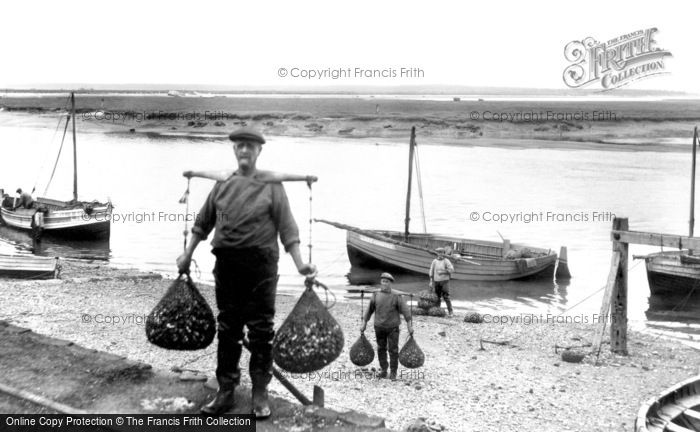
618	324
605	306
691	222
75	151
562	272
319	396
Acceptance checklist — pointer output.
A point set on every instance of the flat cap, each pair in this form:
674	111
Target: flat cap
440	250
387	276
247	133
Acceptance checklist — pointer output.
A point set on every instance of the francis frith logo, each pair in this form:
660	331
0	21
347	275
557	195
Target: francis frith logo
615	63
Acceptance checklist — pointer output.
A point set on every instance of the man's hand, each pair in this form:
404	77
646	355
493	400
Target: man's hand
431	285
363	327
308	269
311	179
410	329
187	173
183	263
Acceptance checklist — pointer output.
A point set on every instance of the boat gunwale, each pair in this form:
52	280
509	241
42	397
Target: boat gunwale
660	400
381	235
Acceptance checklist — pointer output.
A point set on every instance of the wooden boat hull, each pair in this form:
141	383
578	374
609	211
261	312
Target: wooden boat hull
71	222
27	267
383	249
675	409
669	275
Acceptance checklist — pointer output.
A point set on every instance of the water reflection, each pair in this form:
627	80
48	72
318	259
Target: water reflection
526	296
56	246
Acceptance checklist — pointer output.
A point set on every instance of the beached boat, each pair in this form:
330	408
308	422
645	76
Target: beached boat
677	409
74	219
473	259
27	267
677	273
673	273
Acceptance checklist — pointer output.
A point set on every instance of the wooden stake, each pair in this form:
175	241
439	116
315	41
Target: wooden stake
607	299
319	396
618	325
75	151
562	272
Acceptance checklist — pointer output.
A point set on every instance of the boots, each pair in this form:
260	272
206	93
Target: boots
382	374
222	402
261	404
392	375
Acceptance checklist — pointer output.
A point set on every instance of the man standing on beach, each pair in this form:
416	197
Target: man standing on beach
248	214
388	308
440	271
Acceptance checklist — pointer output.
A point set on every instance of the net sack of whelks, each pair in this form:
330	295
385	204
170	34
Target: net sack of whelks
309	339
427	299
411	356
182	319
361	352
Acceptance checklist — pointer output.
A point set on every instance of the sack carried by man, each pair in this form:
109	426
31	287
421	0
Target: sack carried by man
361	352
182	319
309	339
411	356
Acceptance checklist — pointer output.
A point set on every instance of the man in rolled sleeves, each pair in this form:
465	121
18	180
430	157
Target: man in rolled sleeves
441	270
388	308
248	214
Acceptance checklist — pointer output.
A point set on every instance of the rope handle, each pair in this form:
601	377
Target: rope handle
311	219
311	282
185	199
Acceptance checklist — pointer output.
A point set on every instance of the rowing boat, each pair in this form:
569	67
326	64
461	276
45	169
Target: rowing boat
27	267
676	409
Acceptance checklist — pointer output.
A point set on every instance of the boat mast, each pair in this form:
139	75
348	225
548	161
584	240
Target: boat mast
410	178
75	151
692	185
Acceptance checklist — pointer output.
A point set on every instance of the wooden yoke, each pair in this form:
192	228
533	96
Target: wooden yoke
265	176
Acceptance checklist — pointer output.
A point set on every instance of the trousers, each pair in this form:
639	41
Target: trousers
442	290
246	286
388	339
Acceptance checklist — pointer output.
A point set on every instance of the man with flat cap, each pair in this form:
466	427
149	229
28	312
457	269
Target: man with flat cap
249	214
441	270
387	308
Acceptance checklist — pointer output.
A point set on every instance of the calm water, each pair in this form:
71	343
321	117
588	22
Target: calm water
362	183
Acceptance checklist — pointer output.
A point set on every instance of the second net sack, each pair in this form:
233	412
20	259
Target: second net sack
310	338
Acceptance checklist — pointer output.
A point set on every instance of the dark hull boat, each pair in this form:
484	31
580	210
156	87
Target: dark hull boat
673	274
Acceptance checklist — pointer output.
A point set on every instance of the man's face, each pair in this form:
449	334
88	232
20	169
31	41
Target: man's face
247	153
385	283
441	255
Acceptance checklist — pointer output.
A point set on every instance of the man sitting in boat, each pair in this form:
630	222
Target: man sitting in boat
440	271
25	200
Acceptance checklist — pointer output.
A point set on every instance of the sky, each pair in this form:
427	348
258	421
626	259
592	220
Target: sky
480	44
